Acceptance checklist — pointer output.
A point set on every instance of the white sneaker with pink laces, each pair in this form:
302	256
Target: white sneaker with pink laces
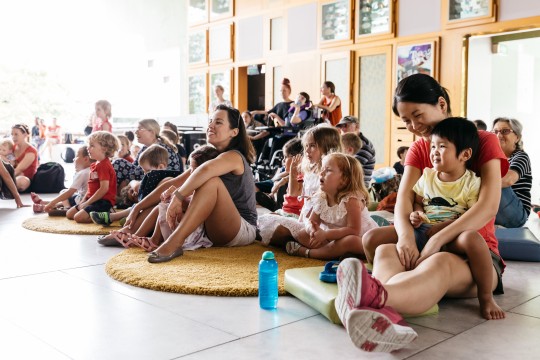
381	330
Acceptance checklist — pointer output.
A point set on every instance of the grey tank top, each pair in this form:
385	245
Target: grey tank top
242	191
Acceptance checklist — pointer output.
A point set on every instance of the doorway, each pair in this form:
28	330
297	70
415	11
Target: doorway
251	87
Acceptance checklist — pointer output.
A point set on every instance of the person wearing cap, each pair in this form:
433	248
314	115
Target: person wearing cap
366	155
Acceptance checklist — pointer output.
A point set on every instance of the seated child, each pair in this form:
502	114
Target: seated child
161	229
340	216
77	190
123	152
443	193
351	144
154	158
101	194
6	151
402	154
291	148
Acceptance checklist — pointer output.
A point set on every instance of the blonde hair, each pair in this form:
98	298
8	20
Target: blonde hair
154	155
7	142
153	126
327	139
169	134
352	175
352	140
106	140
106	106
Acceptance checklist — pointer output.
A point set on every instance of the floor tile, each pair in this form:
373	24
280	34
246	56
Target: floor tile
515	337
310	339
86	321
240	316
18	344
530	308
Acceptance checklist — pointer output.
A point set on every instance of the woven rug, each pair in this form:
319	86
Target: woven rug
214	271
61	225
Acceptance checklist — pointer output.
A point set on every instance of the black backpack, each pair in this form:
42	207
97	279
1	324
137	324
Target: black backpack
69	155
49	178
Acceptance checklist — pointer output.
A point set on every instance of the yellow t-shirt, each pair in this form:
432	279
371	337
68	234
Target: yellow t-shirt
447	200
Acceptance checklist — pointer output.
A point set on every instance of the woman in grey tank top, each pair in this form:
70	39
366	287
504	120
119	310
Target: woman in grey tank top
223	191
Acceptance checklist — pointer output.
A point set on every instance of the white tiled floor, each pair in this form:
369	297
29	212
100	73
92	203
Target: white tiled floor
58	303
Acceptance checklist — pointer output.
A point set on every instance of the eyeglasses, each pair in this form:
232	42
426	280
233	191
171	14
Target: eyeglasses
503	131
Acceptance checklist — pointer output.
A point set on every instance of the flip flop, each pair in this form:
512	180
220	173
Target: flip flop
329	273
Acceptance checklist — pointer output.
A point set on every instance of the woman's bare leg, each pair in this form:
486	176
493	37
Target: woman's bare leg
212	205
417	290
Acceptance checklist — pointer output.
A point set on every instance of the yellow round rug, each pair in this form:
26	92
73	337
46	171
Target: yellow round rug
214	271
62	225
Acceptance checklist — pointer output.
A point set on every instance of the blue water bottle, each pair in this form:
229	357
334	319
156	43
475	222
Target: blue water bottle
268	281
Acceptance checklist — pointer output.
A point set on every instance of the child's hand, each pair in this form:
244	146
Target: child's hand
317	236
48	207
166	195
417	218
174	212
296	160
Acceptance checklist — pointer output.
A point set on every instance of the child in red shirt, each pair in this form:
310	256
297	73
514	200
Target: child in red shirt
101	195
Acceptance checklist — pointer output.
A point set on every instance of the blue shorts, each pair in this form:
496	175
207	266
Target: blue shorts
420	235
265	186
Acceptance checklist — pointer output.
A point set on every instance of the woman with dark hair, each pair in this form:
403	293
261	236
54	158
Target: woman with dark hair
408	281
26	156
515	205
223	191
330	103
223	201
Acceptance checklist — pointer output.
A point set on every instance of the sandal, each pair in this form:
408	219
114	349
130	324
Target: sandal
143	242
123	238
329	273
293	249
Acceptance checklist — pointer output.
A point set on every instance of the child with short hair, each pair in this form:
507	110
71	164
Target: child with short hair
351	143
291	148
101	195
124	152
6	151
444	193
402	154
77	190
340	215
155	157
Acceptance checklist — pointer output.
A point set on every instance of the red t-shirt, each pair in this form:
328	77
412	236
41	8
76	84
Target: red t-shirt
128	158
102	171
489	149
30	171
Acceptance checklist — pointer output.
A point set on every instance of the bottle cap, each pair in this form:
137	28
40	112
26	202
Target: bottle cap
268	255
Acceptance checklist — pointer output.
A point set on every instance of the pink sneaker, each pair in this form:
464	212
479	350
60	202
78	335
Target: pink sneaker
356	288
38	208
381	330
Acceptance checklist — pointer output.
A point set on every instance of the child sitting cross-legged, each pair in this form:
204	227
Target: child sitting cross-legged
101	194
155	157
339	216
77	190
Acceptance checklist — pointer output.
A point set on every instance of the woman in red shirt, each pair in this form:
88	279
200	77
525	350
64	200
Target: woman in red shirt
405	280
26	156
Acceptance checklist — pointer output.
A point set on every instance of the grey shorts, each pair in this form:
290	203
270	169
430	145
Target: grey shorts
245	236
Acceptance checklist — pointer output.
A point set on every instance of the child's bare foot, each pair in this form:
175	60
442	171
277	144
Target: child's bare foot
489	308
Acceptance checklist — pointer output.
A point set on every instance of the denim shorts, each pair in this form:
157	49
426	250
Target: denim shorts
99	206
